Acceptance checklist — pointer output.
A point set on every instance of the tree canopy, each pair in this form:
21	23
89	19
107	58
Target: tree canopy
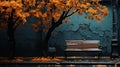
53	12
11	11
48	12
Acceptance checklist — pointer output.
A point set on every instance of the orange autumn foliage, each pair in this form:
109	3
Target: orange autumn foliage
59	10
47	10
45	59
12	10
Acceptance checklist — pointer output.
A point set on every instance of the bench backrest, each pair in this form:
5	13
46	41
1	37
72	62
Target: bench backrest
82	44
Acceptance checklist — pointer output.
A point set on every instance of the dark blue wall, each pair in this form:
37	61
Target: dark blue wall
29	43
80	29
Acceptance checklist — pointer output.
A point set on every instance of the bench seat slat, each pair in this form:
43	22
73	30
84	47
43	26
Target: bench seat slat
90	49
82	46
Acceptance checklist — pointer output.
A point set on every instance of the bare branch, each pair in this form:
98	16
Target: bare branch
61	17
67	12
53	21
72	13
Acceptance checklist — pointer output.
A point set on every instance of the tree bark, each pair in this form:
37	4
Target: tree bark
11	37
45	46
48	35
11	40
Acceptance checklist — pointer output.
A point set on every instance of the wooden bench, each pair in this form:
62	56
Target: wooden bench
82	46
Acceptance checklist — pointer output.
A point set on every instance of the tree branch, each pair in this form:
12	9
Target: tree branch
60	19
53	21
61	16
72	13
68	11
16	25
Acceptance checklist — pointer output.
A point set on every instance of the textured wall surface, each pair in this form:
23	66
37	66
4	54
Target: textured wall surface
29	43
80	29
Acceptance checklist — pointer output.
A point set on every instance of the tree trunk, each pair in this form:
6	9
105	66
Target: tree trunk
45	46
11	40
48	35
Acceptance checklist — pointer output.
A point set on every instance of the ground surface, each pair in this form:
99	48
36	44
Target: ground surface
72	61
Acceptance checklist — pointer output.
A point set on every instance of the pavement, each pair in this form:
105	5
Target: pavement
72	61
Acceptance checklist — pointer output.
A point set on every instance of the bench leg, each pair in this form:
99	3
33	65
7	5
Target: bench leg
65	53
99	54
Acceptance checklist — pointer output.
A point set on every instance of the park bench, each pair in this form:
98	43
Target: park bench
82	46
